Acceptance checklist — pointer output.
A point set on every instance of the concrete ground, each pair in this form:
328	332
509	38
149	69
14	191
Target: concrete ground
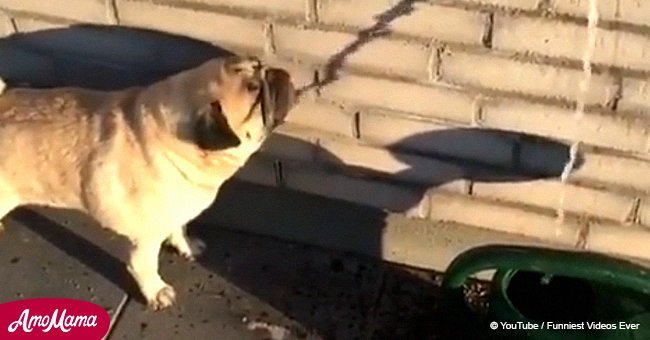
245	287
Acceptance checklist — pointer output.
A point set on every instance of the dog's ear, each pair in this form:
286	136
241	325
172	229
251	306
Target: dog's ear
212	130
282	93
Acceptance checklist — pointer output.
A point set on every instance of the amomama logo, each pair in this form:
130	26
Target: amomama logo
52	319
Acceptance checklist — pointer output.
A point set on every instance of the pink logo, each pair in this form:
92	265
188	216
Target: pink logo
52	318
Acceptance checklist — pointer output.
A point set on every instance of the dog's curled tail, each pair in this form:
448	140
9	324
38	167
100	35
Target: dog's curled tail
2	86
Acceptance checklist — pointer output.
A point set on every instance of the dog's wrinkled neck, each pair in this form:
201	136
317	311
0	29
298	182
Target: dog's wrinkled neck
192	121
204	168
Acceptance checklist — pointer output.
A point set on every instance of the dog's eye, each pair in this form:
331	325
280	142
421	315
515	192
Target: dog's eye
253	87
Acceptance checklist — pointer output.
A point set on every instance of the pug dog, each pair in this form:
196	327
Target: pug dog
142	161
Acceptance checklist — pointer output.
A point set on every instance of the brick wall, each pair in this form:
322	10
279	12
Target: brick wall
455	110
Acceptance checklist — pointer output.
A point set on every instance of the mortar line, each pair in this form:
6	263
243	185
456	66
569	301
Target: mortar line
14	25
311	11
433	63
269	39
112	13
356	125
439	55
477	111
488	33
544	5
633	216
615	99
583	236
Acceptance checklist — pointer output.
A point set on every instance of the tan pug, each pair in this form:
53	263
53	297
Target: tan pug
143	161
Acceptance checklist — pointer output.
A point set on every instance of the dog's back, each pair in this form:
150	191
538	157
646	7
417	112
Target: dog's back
48	138
143	161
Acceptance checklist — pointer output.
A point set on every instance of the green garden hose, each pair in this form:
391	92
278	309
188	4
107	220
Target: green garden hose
621	290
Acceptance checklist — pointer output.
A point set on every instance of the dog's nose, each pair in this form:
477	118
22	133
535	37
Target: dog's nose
277	96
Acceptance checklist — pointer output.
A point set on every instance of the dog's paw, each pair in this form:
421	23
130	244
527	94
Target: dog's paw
165	297
194	249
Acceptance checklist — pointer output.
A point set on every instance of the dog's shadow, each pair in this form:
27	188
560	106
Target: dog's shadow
52	58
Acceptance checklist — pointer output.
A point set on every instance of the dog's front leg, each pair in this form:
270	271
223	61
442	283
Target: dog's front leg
143	265
188	247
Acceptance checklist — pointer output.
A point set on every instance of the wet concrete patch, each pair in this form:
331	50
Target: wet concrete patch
33	267
248	287
330	293
244	287
409	305
208	308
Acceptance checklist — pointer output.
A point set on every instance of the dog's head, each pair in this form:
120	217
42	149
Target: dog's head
247	100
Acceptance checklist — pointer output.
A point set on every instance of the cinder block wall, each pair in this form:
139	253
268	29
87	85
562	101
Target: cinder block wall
408	122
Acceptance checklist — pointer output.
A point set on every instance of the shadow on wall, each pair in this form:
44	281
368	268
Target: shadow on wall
56	62
380	28
410	308
76	56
